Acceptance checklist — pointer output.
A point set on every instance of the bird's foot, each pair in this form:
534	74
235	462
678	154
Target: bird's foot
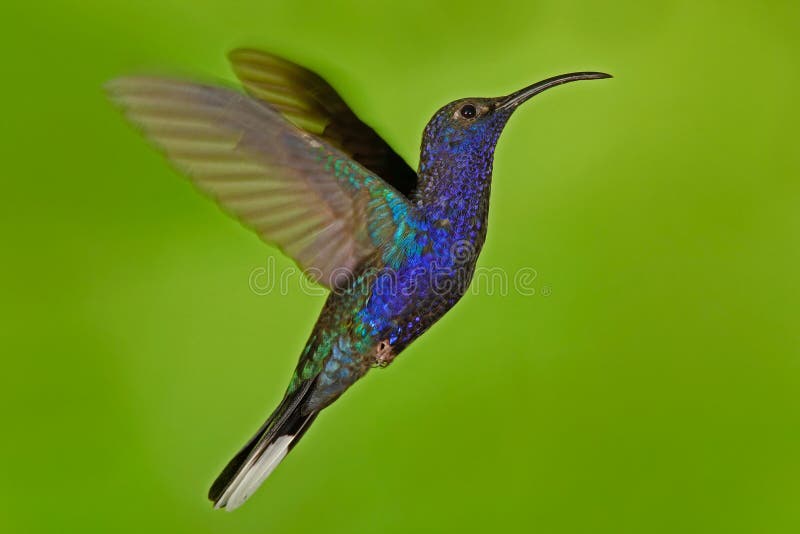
384	354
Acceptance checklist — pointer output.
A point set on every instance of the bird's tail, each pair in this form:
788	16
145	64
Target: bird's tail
265	450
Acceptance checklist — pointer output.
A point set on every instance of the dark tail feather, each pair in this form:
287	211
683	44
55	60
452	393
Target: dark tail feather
265	450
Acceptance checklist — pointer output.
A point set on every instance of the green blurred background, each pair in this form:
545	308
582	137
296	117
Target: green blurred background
650	385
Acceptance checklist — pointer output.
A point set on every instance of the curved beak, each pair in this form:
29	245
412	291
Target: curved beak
515	99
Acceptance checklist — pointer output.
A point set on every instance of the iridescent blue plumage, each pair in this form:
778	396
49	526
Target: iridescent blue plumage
427	266
397	248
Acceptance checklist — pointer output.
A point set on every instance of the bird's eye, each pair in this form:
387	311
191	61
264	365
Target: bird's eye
468	111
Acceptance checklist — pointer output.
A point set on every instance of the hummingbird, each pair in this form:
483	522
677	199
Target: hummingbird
289	159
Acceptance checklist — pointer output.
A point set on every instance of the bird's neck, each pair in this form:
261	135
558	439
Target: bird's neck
454	191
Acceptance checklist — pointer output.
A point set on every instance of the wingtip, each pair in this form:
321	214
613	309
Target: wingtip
116	90
116	87
244	56
234	53
242	53
111	87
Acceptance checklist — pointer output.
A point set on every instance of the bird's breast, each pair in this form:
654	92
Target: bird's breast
407	298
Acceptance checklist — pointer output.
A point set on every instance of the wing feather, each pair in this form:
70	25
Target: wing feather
310	102
295	190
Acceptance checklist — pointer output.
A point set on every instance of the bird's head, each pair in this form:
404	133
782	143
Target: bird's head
466	131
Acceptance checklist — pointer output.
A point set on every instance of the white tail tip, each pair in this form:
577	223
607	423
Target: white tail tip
253	473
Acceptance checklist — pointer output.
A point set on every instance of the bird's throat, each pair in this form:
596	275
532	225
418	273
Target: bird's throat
455	191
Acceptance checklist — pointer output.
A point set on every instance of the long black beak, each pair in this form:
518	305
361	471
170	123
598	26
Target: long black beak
515	99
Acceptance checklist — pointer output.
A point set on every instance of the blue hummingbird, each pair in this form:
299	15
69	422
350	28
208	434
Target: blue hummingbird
290	160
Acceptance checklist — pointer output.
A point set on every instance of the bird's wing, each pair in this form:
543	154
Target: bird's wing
311	103
314	202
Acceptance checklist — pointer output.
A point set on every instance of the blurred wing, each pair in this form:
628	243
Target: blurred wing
311	103
319	206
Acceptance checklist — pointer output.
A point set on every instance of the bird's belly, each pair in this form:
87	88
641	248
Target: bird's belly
405	302
377	318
